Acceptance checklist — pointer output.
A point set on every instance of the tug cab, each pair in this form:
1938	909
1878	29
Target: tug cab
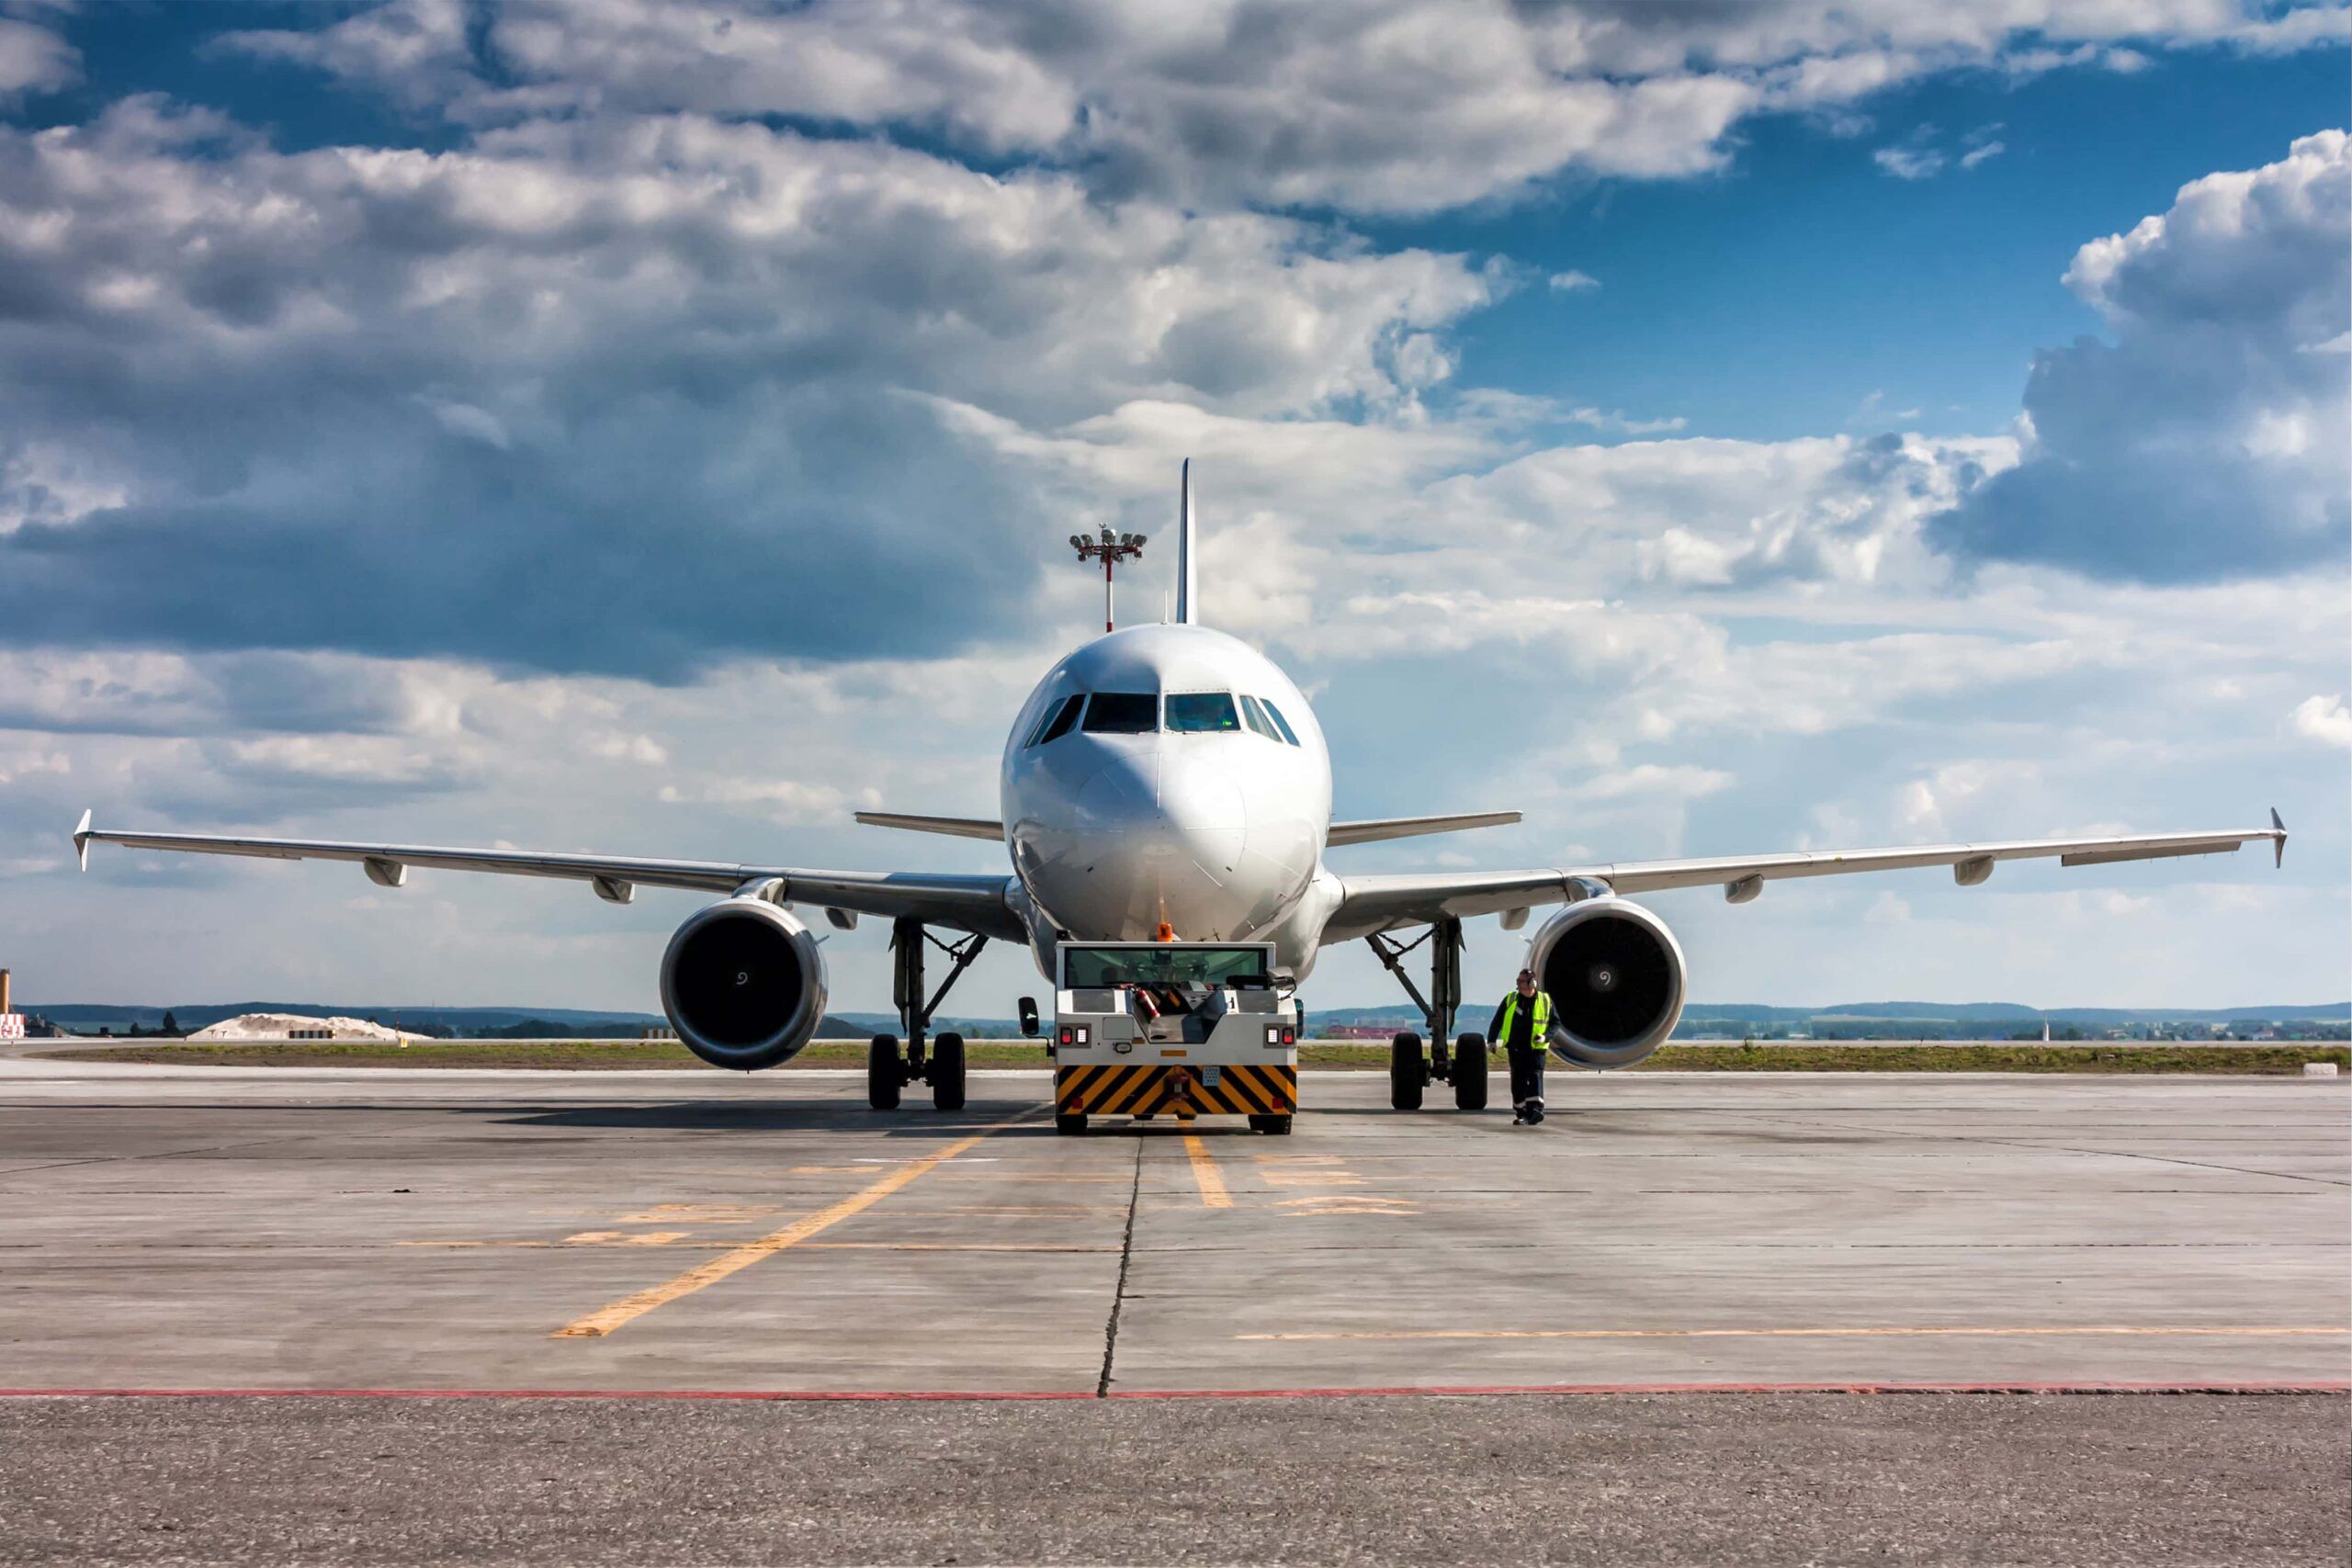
1184	1029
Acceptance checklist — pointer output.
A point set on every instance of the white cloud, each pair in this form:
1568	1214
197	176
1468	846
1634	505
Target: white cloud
34	60
2205	440
1920	157
1572	281
2324	719
610	333
1396	105
1909	162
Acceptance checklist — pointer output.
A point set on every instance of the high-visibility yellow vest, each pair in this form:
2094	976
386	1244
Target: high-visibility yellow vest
1542	1030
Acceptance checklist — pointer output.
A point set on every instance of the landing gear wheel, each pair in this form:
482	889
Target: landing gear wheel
882	1073
1406	1072
1470	1073
1067	1122
1278	1125
947	1072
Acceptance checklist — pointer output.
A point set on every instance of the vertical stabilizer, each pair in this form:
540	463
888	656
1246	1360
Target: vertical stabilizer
1186	606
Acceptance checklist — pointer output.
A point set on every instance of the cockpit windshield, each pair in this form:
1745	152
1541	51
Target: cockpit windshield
1122	712
1199	713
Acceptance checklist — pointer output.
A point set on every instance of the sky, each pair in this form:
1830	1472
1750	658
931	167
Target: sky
654	428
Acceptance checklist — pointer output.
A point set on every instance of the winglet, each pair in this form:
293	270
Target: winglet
82	840
2278	844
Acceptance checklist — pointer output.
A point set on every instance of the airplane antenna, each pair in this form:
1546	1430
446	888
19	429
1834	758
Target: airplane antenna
1110	549
1184	548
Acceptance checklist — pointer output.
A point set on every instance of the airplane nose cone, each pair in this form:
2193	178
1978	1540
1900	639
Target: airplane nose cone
1122	795
1202	800
1166	837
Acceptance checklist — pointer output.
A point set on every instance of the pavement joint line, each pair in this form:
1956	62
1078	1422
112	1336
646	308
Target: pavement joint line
1925	1331
1206	1174
604	1320
1119	1291
2332	1387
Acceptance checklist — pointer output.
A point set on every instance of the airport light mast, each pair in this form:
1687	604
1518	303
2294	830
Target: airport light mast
1110	549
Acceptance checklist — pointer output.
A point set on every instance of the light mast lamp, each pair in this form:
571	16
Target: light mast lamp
1110	548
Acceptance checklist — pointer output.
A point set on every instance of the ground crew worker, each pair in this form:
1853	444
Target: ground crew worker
1522	1026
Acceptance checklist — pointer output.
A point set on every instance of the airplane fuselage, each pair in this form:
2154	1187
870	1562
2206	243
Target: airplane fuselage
1189	786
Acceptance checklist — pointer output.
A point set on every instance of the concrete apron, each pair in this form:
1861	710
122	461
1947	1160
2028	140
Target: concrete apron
171	1228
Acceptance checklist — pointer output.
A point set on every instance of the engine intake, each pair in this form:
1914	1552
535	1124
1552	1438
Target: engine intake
1614	974
743	984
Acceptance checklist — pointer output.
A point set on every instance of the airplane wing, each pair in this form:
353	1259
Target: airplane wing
966	902
1381	903
1374	829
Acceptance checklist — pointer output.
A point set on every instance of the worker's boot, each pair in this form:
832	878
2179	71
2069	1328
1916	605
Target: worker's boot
1519	1114
1534	1112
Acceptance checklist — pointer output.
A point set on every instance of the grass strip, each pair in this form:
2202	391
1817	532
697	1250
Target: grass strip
608	1054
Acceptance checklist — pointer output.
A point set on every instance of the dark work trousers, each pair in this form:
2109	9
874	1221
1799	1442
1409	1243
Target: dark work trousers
1526	1074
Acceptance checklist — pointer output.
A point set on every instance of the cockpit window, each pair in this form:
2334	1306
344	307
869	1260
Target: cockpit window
1122	713
1201	713
1057	720
1258	720
1280	722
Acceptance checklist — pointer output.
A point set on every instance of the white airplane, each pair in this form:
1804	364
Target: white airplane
1170	779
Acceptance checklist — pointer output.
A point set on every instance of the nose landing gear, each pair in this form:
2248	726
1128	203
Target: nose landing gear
941	1066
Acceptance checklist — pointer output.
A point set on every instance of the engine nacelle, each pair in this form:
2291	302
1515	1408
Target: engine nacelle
1614	974
743	984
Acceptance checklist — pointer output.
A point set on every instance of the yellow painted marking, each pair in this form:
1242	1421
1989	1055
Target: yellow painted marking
1348	1204
1937	1330
951	1246
1206	1173
708	1213
620	1313
960	1212
667	1240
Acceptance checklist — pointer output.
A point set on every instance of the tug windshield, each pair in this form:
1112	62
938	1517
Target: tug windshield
1159	964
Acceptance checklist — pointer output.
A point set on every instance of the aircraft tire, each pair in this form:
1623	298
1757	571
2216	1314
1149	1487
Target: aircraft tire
1069	1121
1277	1125
1406	1072
1470	1072
947	1072
882	1075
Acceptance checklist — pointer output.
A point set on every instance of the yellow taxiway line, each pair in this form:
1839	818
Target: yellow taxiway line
1206	1173
1932	1330
602	1321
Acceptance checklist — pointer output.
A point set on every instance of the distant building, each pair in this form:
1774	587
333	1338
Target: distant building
293	1026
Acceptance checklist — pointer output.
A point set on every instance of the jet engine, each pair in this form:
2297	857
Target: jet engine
1614	974
743	984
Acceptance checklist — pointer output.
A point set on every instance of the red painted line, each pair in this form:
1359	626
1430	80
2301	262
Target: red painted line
2333	1385
2320	1386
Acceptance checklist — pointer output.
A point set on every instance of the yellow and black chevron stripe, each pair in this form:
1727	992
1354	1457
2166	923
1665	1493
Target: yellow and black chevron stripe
1120	1091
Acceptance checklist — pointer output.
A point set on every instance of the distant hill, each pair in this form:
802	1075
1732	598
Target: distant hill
1928	1019
465	1023
1886	1019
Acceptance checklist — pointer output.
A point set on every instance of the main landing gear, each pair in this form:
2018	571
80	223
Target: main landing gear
941	1066
1409	1071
